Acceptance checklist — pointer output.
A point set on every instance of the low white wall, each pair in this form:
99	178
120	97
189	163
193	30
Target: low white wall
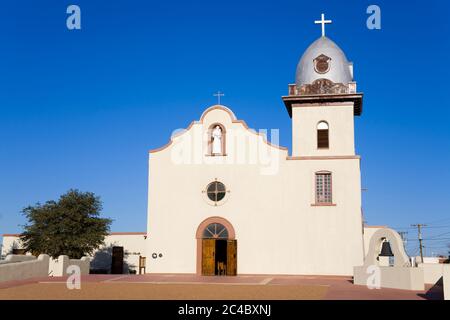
447	281
405	278
11	258
58	267
432	272
25	269
427	260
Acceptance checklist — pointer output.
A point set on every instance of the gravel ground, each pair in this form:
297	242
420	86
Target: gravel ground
192	287
148	291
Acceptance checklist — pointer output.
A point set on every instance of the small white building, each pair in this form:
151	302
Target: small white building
224	200
120	252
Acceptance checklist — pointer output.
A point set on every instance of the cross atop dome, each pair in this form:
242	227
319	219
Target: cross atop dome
323	22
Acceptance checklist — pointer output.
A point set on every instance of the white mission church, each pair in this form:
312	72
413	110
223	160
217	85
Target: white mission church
222	200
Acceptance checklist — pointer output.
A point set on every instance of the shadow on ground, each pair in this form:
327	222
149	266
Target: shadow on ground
436	292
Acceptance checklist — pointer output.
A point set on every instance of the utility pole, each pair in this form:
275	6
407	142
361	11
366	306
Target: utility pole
419	229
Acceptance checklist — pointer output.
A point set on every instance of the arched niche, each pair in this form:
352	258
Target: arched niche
223	139
396	243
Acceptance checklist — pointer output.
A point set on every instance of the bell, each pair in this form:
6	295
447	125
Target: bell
386	250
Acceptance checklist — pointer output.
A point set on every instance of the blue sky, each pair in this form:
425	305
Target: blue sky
80	109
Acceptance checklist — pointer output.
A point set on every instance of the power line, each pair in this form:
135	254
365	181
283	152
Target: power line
425	227
437	227
414	251
440	220
439	235
427	239
440	247
403	228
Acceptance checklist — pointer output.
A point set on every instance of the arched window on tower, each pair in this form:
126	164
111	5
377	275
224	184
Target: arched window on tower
217	140
323	141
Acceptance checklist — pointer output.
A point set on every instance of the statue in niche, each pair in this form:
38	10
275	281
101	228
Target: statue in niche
217	141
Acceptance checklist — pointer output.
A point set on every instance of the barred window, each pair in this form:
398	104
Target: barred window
323	188
323	135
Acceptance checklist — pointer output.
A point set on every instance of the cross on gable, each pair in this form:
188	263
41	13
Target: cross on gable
218	94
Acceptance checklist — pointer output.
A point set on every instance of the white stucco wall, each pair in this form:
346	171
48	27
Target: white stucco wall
447	282
25	269
432	272
428	260
133	244
339	117
404	278
58	267
270	203
369	231
10	242
17	258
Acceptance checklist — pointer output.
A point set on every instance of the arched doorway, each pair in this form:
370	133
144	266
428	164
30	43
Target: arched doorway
216	248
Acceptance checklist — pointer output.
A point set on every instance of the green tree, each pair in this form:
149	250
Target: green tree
70	226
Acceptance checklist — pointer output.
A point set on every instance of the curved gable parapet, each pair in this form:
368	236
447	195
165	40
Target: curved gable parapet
232	120
218	107
264	137
175	135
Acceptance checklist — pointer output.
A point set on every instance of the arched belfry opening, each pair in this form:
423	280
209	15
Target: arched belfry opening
323	135
216	248
386	249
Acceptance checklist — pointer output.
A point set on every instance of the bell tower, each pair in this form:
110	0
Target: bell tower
323	101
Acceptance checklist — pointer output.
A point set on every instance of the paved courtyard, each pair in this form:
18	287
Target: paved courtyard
191	287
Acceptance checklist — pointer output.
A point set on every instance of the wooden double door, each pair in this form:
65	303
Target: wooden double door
219	257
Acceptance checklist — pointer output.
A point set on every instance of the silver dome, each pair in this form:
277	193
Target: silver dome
340	70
